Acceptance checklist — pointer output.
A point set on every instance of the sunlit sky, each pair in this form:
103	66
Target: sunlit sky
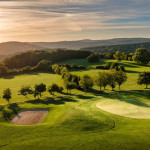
57	20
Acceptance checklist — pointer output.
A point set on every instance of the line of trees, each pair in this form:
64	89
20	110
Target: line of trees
123	56
112	78
32	58
102	80
141	56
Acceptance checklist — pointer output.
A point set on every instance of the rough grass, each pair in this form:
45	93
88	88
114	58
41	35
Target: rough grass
74	122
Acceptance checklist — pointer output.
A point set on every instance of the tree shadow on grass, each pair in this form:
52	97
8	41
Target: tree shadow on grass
84	97
130	64
11	76
132	71
133	97
50	100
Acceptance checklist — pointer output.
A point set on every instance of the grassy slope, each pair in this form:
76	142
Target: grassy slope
74	122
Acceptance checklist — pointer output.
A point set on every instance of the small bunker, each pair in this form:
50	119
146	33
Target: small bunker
30	117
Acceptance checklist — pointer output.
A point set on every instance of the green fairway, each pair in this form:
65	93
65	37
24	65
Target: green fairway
112	120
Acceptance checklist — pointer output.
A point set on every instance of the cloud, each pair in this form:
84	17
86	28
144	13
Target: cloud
70	18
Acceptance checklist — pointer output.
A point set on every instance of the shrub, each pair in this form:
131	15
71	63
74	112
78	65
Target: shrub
94	57
4	70
43	65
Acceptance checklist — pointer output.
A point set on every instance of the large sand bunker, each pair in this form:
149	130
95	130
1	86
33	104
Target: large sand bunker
124	109
30	117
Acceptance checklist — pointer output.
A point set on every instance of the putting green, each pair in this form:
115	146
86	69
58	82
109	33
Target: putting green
125	109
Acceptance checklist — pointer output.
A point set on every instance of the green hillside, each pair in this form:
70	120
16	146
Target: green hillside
75	121
123	48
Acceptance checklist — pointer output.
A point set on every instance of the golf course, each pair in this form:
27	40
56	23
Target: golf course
92	120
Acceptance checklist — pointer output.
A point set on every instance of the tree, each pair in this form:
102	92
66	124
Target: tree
39	88
142	56
3	70
54	88
25	90
86	82
43	65
56	69
144	78
102	80
70	86
105	79
107	65
114	65
7	94
122	68
94	57
121	77
63	70
118	55
112	79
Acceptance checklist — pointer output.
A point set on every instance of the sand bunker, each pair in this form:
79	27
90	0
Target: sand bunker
30	117
124	109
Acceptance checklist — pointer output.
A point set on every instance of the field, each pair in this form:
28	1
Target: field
81	120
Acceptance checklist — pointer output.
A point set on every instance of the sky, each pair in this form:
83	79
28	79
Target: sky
59	20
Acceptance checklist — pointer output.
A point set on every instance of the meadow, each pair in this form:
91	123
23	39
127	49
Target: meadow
79	121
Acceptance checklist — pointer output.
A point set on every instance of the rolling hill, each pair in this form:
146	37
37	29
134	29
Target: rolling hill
113	48
90	43
9	48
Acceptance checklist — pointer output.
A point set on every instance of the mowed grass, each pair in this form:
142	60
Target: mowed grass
74	122
16	82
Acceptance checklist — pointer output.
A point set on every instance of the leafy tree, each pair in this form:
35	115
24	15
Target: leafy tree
102	80
107	65
112	79
56	68
94	57
75	79
114	65
54	88
70	86
7	94
64	70
86	82
121	77
39	88
118	55
25	90
142	56
43	65
144	78
105	79
3	70
122	68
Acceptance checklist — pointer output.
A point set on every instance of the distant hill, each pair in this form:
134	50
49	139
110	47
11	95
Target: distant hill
90	43
9	48
113	48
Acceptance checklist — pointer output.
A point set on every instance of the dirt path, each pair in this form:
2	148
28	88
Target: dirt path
30	117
